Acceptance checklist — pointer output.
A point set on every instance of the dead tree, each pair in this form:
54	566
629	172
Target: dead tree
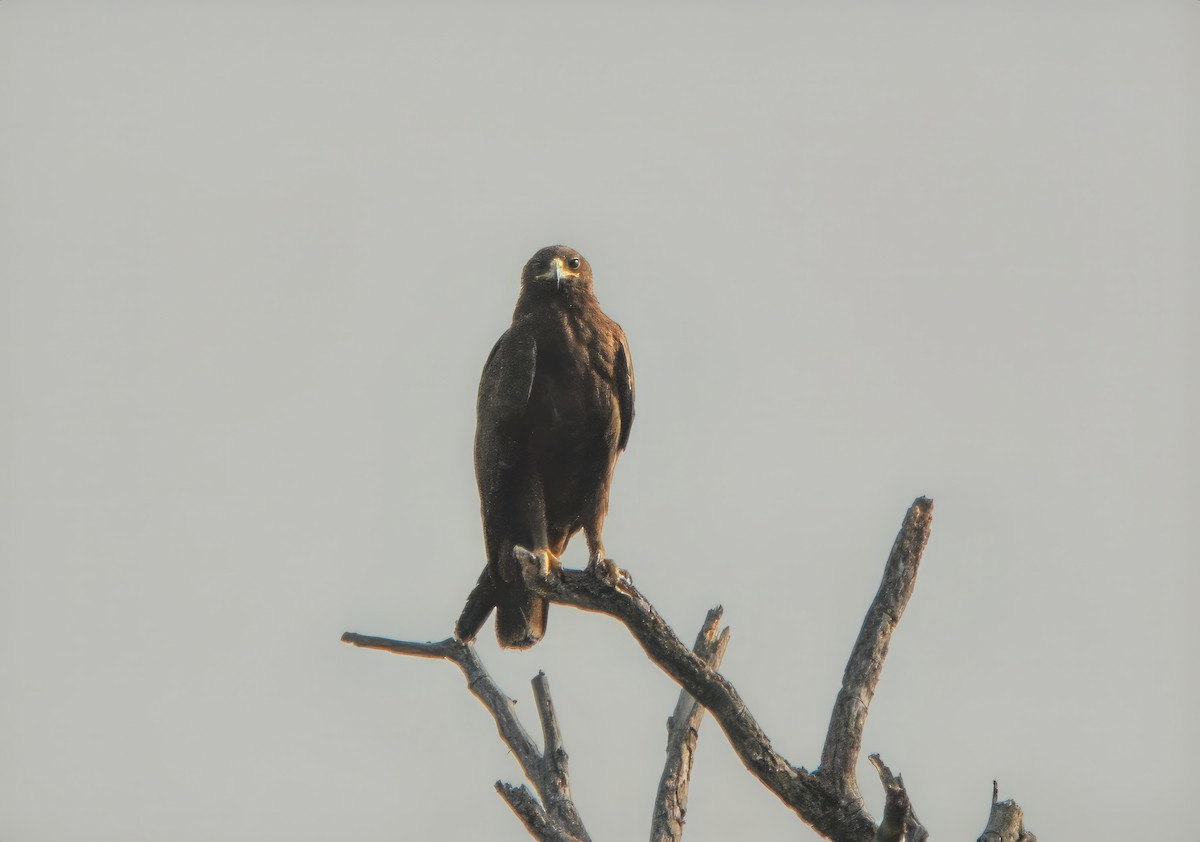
828	798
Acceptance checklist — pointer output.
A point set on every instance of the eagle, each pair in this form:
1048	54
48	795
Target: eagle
554	411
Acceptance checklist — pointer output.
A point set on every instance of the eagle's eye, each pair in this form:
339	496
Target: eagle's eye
573	262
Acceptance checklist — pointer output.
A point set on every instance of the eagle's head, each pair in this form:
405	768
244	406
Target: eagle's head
558	270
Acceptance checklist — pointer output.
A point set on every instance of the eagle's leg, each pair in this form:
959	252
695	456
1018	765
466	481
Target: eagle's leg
604	569
534	504
595	554
595	509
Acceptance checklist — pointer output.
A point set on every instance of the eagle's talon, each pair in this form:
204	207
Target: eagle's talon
623	578
607	571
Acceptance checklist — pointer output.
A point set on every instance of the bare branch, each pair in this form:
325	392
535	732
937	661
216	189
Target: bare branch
480	684
670	805
555	787
843	740
682	734
900	823
447	649
551	735
547	772
1006	822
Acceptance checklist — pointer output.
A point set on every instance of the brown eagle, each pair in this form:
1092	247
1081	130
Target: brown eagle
554	411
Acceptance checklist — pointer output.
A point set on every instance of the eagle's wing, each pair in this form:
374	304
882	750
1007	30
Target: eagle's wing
501	431
625	389
507	379
508	487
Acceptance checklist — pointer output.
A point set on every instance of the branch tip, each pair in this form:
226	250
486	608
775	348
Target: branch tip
1006	821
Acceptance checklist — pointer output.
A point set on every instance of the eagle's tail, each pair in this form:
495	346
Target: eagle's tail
520	616
480	603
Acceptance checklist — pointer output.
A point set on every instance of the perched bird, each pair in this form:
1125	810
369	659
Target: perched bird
554	411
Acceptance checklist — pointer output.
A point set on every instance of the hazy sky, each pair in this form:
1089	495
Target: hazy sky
252	259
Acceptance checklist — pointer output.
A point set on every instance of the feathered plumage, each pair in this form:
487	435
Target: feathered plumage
554	411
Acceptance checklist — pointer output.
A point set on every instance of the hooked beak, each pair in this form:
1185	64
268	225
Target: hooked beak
555	272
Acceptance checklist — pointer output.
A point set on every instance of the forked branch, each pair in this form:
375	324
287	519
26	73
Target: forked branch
555	818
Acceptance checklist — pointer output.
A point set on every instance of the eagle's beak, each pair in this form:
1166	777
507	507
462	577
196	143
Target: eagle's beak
556	272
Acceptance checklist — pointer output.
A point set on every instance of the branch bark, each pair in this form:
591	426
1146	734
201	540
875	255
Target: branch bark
843	740
900	823
532	815
1006	822
556	783
683	727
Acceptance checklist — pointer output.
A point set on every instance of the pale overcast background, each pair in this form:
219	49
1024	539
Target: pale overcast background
253	258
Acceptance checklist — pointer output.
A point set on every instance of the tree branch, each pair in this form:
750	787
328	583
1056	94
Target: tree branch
843	740
670	805
546	771
555	788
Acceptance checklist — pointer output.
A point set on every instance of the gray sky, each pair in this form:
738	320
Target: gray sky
253	256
